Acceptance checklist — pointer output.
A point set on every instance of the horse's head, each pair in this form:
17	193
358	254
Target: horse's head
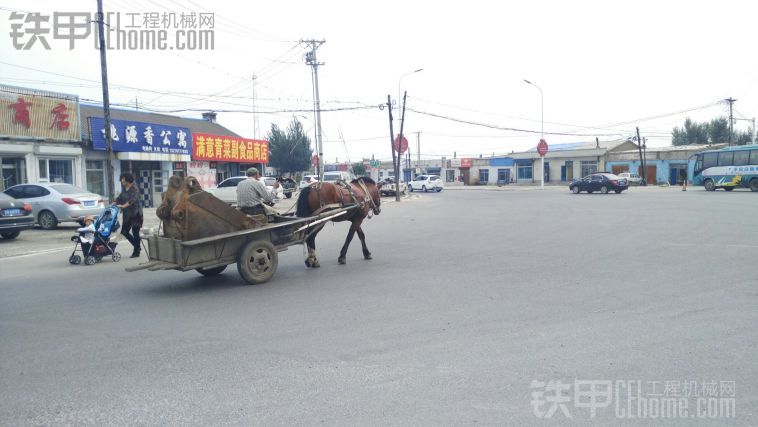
373	190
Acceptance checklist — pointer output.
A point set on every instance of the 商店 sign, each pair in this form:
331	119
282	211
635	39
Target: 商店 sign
35	114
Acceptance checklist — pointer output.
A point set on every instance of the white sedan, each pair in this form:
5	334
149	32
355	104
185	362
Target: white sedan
426	183
227	189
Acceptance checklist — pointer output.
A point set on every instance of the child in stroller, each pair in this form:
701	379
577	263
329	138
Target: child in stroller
94	238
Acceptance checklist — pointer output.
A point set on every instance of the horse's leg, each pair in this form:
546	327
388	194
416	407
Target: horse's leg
310	242
362	236
349	238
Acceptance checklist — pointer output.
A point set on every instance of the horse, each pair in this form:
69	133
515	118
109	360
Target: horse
324	196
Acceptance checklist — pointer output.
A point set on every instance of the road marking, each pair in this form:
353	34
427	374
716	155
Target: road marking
44	251
714	245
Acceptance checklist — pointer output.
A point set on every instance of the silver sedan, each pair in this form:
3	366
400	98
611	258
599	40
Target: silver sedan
54	203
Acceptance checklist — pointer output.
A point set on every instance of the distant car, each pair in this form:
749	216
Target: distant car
227	189
308	180
269	181
338	175
288	186
54	203
426	183
15	217
601	182
631	178
388	187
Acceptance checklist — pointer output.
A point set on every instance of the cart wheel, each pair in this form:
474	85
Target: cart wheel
75	259
116	256
257	262
208	272
89	260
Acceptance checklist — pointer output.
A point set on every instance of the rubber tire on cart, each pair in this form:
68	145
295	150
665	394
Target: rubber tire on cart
257	262
575	190
47	220
89	260
209	272
116	257
754	184
75	259
10	235
709	185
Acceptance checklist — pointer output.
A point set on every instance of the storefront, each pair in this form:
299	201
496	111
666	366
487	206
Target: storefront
152	152
217	157
40	139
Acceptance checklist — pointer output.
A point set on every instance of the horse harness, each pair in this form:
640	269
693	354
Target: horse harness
347	187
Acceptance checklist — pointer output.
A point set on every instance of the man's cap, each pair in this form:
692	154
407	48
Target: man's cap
252	171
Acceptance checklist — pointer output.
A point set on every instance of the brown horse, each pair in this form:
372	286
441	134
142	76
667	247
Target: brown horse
325	196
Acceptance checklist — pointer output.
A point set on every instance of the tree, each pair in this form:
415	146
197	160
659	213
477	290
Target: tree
691	133
291	149
718	129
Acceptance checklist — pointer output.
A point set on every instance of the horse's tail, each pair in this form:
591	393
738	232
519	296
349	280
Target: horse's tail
303	208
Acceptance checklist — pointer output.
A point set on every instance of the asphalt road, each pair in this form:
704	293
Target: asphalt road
471	296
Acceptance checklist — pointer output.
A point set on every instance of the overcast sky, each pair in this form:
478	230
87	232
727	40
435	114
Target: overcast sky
604	68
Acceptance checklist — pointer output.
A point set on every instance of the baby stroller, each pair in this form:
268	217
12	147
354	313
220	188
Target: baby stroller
105	225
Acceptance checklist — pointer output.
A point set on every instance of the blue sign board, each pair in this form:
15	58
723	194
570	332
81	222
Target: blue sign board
141	137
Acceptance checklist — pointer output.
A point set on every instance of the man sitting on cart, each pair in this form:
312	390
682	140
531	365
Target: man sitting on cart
251	194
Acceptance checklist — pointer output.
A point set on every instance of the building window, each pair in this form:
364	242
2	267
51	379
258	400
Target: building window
484	176
589	167
56	170
14	172
501	175
96	176
525	172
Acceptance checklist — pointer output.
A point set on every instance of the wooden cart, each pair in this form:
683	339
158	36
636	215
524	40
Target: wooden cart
254	250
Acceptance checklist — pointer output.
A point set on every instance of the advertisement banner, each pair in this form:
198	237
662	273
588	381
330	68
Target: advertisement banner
205	175
29	113
138	137
229	149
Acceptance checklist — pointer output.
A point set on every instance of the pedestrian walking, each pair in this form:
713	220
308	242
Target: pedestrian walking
131	207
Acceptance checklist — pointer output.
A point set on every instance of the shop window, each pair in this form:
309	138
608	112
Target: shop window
56	170
484	176
589	167
525	172
96	176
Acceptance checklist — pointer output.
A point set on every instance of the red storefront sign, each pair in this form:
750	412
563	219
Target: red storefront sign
228	149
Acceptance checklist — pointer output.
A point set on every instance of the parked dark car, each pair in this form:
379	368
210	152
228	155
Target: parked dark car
15	217
600	182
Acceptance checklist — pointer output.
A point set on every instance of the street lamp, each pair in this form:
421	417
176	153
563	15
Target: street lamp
542	131
399	81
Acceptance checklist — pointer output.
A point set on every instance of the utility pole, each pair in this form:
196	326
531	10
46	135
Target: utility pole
392	143
310	59
256	128
399	154
418	149
643	172
731	101
106	103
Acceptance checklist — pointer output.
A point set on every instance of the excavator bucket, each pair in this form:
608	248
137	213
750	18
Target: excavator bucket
189	213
